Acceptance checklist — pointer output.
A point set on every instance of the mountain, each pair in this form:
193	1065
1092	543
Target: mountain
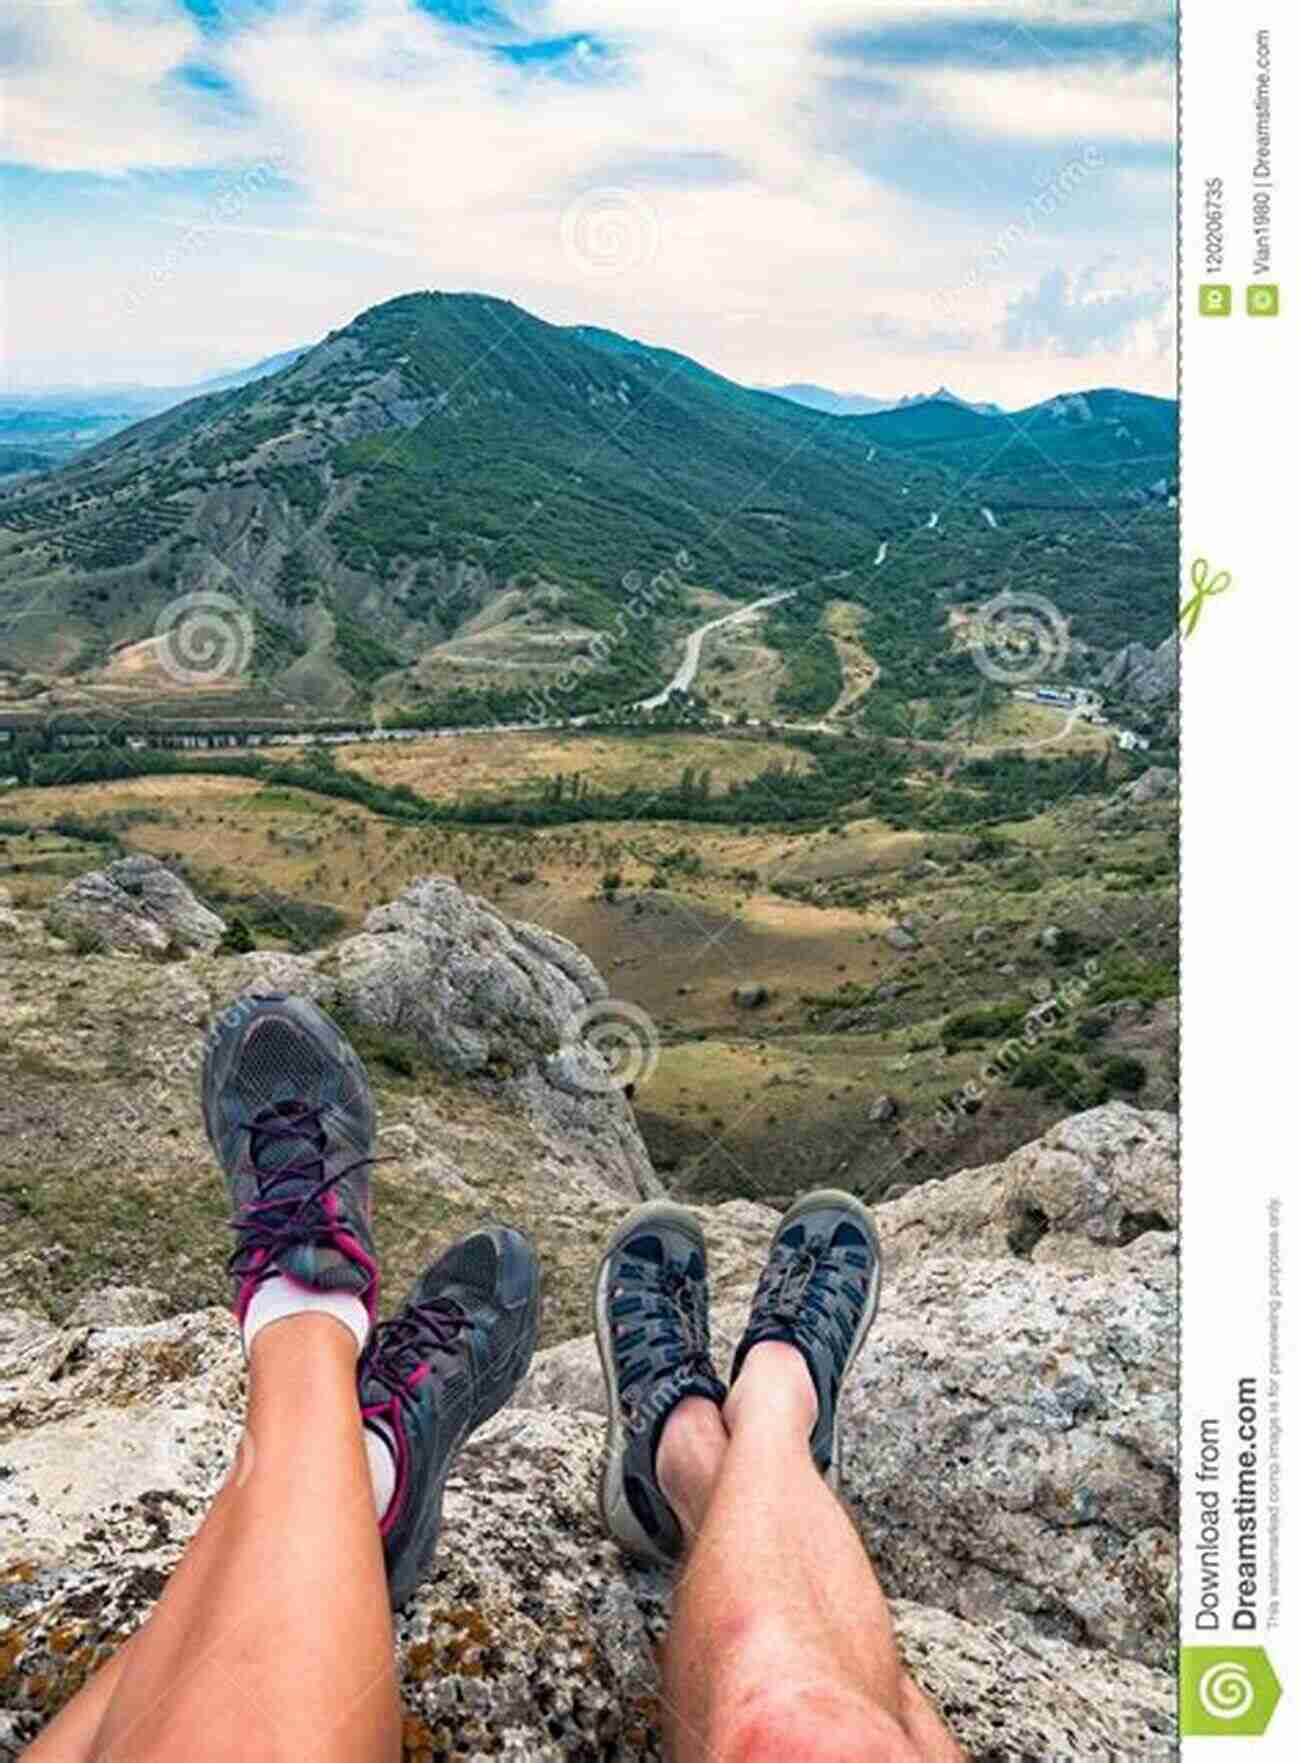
944	396
16	459
831	403
66	420
857	404
1107	447
450	498
244	376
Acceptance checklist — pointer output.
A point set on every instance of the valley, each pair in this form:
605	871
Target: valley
679	670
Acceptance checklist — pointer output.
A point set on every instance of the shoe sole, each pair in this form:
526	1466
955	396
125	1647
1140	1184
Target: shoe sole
307	1017
815	1201
616	1514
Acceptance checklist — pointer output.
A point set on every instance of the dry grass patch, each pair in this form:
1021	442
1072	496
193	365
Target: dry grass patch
496	764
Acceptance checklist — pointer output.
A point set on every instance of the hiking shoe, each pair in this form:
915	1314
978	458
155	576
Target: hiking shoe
819	1292
452	1356
652	1327
289	1114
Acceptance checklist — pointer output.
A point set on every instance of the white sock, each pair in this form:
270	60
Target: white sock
278	1297
381	1454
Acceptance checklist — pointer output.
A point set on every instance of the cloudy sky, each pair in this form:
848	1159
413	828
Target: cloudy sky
876	196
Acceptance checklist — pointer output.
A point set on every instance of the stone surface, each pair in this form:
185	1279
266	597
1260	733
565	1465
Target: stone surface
118	1307
1009	1438
1092	1184
1148	675
1157	782
1009	1433
136	905
532	1639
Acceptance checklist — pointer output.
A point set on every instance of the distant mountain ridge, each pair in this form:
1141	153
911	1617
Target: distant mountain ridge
859	404
65	420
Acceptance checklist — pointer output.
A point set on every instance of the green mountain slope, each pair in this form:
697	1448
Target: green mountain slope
451	499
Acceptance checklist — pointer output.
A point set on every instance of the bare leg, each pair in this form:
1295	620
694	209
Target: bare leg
781	1643
272	1641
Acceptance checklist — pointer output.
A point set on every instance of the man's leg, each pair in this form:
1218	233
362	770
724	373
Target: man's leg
273	1638
781	1644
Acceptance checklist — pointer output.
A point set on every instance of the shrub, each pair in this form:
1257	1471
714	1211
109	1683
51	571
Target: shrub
1123	1074
1059	1077
238	939
995	1023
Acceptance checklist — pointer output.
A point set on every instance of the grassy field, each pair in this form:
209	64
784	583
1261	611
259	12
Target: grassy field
680	918
496	764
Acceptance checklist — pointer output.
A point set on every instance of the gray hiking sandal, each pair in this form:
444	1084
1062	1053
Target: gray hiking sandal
819	1292
652	1328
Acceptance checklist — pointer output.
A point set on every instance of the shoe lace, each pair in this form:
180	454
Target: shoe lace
678	1302
286	1212
797	1291
407	1340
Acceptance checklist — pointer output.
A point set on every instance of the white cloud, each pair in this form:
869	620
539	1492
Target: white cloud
421	160
1058	102
85	90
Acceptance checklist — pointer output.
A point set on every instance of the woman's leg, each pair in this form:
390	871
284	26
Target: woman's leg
273	1638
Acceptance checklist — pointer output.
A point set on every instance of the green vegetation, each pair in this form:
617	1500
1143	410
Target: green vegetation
996	1023
1125	1074
492	447
813	678
1126	976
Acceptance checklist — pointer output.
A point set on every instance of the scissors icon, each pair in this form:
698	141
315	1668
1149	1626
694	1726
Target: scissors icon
1206	588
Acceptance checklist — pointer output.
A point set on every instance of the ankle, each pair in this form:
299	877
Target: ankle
774	1387
294	1343
689	1458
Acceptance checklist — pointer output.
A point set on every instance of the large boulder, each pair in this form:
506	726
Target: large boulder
1148	675
507	1006
137	905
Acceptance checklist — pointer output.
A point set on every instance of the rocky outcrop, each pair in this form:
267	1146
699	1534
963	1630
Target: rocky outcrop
1157	782
507	1006
1148	675
1010	1440
1009	1435
136	905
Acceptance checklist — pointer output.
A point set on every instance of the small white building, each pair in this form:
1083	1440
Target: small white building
1129	742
